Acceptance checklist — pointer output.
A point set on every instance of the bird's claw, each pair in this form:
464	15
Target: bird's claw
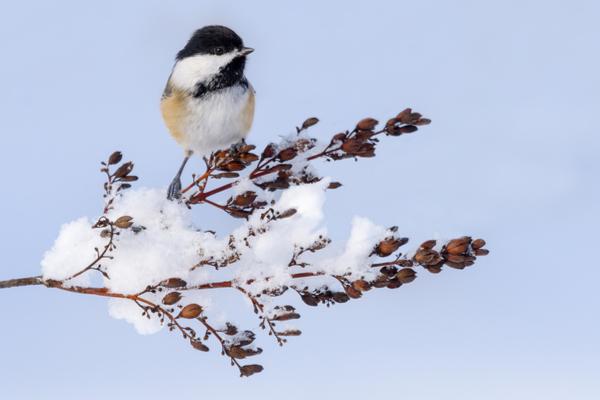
236	147
174	191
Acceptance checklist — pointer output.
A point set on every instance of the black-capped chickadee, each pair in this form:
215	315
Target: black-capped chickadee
208	104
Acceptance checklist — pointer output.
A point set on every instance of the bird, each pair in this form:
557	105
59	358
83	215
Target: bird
208	103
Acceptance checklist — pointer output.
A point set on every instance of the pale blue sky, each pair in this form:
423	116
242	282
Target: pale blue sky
512	88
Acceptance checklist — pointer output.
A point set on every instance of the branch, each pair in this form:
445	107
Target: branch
34	280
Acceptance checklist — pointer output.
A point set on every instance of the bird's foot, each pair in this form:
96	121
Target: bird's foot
174	191
236	147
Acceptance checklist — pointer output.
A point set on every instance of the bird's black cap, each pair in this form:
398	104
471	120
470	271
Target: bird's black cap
213	39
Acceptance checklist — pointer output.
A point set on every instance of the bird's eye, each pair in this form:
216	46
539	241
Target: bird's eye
219	51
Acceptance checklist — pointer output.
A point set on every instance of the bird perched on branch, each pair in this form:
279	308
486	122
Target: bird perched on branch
208	104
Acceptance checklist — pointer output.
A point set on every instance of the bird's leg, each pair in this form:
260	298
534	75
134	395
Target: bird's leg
174	191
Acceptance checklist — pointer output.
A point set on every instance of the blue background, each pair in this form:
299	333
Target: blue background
512	88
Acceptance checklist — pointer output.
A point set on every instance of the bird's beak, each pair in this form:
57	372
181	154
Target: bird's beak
246	50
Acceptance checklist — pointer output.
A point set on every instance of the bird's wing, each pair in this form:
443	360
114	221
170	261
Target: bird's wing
173	109
248	111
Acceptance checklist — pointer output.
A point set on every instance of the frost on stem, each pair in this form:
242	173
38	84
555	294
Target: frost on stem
159	268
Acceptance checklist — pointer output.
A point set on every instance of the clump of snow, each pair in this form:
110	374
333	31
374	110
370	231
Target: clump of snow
72	251
167	244
129	311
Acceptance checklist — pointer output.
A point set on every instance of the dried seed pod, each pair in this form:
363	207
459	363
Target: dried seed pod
394	284
367	124
425	257
105	233
404	116
124	222
287	213
352	293
237	213
173	283
381	281
457	259
115	158
389	245
407	129
290	332
287	154
123	170
198	345
310	122
481	252
352	146
428	245
422	121
458	246
286	316
240	353
248	158
190	311
361	285
406	275
232	166
171	298
477	244
434	269
339	137
245	199
455	264
247	148
230	329
225	175
269	151
251	369
310	300
340	297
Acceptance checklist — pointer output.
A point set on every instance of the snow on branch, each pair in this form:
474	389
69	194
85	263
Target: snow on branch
160	268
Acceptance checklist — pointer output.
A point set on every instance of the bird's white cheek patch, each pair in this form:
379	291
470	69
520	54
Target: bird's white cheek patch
200	68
